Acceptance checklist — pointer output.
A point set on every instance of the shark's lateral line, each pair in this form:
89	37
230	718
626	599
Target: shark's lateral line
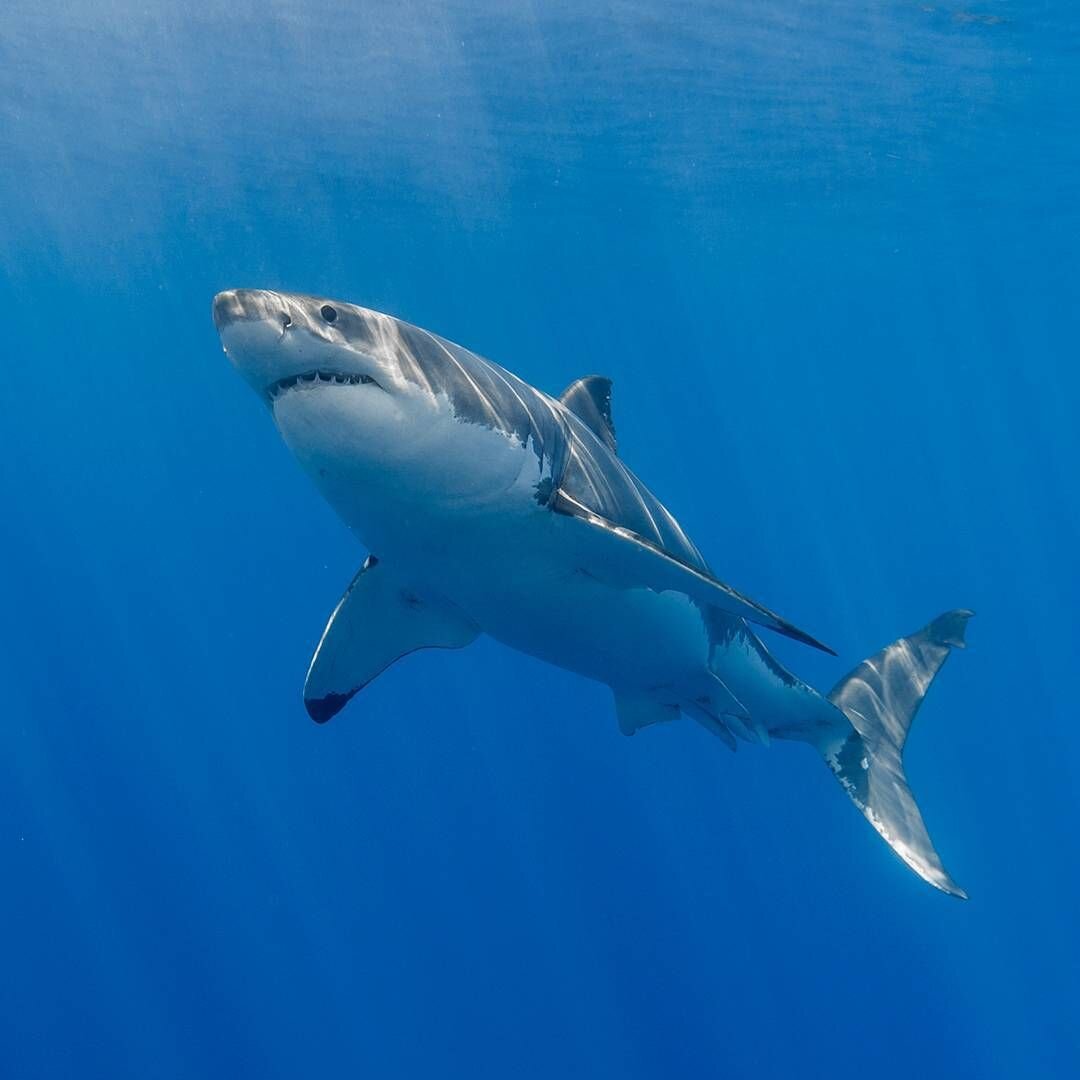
491	507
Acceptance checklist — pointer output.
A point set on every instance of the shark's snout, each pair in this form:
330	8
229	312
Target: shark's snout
227	308
279	341
252	324
237	305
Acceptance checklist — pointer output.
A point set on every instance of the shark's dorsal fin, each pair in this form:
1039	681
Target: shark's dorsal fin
378	620
589	399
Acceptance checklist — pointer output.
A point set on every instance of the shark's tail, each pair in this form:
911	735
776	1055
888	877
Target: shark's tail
880	699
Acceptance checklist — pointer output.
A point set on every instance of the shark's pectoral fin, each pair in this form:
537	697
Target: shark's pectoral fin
614	553
378	620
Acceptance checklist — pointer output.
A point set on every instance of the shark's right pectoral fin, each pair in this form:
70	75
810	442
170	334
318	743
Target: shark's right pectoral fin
378	620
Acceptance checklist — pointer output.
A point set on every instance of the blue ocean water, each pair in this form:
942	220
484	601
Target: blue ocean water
827	252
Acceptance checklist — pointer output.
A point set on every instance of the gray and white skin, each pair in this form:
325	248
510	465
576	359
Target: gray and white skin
490	507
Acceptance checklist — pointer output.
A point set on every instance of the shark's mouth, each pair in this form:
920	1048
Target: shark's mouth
316	378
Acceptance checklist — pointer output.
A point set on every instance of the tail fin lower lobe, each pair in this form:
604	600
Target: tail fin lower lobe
880	698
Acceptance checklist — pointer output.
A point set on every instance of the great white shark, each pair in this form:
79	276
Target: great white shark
488	506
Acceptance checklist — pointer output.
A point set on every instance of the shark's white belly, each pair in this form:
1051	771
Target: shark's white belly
548	607
516	574
472	531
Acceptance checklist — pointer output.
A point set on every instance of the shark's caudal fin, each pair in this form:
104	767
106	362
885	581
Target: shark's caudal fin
880	698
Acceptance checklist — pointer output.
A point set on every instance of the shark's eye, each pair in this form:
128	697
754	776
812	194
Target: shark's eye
328	313
286	320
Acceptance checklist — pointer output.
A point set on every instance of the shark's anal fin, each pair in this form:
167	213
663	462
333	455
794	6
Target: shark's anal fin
589	399
378	620
611	552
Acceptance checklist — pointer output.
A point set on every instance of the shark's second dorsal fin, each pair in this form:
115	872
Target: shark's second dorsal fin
589	399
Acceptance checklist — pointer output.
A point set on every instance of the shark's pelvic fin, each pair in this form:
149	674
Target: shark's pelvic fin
880	699
637	711
378	620
614	553
589	399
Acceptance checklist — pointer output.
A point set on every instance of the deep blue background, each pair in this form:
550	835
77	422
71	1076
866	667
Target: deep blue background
827	251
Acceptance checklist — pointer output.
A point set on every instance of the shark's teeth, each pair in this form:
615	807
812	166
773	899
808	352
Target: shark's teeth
309	378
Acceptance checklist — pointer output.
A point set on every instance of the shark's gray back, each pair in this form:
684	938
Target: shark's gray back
573	460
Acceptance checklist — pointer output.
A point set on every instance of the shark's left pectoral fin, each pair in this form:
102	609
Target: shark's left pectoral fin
378	620
611	552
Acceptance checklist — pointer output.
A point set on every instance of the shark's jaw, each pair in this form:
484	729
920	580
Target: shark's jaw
315	379
276	362
281	343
